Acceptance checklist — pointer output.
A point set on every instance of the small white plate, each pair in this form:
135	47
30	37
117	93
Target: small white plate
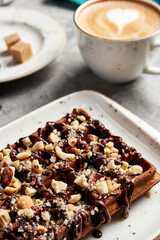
144	216
46	36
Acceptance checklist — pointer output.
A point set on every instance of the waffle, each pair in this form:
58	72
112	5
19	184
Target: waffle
67	178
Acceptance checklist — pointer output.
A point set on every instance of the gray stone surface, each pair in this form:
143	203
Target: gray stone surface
68	73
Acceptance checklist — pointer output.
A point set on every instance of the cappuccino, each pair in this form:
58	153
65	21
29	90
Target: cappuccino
119	20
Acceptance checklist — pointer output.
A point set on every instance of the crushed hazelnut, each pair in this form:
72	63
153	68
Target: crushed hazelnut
124	165
10	190
38	146
46	216
41	229
26	212
101	186
63	155
85	164
15	164
72	142
89	154
75	198
58	186
23	155
6	152
27	142
29	191
54	138
75	124
133	170
81	181
4	218
112	185
36	166
53	159
112	165
49	147
81	118
24	202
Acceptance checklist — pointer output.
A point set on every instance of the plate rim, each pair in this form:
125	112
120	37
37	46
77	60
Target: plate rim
52	58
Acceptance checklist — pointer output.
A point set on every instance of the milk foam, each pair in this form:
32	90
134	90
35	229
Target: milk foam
119	20
121	17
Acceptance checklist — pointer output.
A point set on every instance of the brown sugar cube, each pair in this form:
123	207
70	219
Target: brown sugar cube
12	39
21	52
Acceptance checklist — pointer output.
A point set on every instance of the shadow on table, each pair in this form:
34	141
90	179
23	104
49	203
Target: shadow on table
26	83
86	79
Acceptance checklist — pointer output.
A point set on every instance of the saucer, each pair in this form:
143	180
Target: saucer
45	35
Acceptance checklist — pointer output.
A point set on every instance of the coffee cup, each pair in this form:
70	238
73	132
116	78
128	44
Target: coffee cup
116	38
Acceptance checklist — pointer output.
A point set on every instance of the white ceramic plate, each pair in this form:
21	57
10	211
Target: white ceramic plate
144	218
44	33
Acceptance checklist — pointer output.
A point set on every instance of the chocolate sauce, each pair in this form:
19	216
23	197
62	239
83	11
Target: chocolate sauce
97	234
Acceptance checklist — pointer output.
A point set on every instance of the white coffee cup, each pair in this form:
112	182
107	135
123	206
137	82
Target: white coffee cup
117	61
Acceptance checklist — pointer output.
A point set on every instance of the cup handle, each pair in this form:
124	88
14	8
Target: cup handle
148	68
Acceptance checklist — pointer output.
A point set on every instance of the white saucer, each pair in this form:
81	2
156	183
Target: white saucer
46	36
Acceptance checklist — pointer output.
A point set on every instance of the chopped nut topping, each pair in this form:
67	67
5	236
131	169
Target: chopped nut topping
72	142
30	191
54	138
58	186
75	198
63	155
26	212
75	124
53	159
41	229
81	118
81	181
38	146
85	164
49	147
23	155
125	165
10	190
36	166
15	164
4	218
112	185
6	161
112	165
136	169
24	202
6	152
46	216
89	154
27	142
101	186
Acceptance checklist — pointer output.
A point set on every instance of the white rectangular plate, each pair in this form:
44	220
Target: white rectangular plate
144	217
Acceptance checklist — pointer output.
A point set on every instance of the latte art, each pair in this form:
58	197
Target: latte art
119	20
122	17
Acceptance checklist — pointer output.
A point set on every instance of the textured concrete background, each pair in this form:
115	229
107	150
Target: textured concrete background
68	73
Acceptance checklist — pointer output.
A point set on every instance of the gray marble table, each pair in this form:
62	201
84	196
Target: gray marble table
68	73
